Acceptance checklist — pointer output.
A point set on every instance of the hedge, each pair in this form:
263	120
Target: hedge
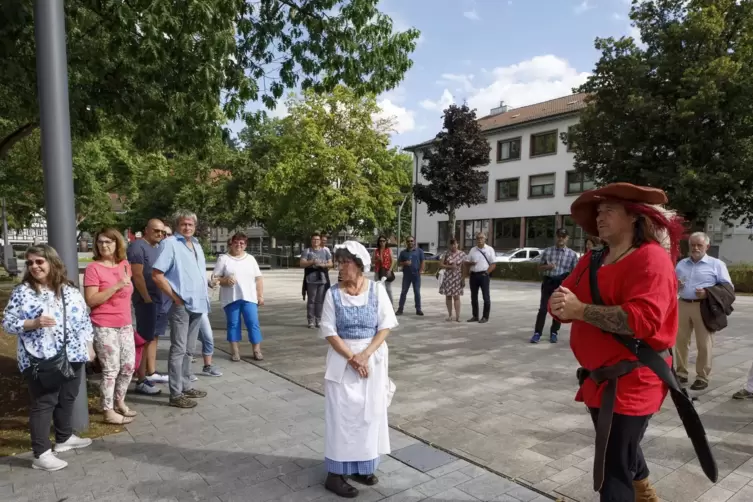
742	275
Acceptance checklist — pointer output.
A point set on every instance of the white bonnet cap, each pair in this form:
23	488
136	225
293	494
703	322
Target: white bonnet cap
357	249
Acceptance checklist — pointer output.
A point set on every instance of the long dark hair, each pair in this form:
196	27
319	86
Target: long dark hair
386	242
57	276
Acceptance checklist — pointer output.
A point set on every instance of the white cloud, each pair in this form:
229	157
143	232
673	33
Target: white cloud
583	7
532	81
443	102
463	82
472	15
402	118
617	16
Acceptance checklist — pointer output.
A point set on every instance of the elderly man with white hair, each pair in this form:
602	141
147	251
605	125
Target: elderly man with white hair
356	319
180	273
696	274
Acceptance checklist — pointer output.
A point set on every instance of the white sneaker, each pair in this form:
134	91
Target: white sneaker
158	378
194	378
73	443
48	461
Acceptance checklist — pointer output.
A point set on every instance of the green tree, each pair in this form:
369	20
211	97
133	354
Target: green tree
675	113
450	165
328	166
170	73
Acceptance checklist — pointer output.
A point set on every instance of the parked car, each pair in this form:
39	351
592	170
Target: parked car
517	255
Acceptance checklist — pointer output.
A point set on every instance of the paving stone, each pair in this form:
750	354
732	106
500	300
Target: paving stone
487	487
422	457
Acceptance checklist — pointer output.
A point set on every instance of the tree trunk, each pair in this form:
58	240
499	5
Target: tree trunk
451	224
11	139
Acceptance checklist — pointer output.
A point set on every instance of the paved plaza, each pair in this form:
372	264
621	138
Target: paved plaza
502	407
484	393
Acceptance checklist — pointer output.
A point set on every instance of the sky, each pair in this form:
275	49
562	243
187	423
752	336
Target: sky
487	51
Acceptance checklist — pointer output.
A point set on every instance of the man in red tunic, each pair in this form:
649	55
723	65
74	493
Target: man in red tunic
638	290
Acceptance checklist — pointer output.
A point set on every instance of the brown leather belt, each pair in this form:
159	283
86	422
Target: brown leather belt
610	375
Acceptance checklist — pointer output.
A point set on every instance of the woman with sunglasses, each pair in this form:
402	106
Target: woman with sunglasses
108	290
241	294
46	311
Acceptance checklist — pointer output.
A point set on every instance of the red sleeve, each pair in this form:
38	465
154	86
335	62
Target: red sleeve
650	292
91	276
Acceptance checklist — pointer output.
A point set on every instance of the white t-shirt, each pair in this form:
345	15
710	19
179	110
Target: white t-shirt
477	255
246	270
385	312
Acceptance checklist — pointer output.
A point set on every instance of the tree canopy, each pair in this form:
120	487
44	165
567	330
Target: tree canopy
170	74
450	165
328	166
675	112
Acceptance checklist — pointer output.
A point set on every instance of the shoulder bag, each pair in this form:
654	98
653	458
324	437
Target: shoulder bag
51	373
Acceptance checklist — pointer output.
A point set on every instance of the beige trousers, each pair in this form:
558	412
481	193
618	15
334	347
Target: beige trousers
690	321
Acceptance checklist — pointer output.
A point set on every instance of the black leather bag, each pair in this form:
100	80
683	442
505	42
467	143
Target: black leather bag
51	373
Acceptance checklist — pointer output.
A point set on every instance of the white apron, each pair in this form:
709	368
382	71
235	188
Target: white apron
355	413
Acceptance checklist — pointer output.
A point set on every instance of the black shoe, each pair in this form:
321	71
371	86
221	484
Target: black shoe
683	380
368	480
473	319
337	485
399	312
483	320
418	312
699	385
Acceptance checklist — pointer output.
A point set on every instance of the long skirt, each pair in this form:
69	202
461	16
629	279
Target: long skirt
355	413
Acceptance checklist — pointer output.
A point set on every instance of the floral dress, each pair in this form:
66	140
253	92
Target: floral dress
452	283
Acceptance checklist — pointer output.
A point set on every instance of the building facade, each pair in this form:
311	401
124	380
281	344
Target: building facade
532	182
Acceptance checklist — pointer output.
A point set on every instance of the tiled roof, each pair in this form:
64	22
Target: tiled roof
552	108
530	113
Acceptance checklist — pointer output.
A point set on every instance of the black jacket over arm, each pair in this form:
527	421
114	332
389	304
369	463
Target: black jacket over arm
717	306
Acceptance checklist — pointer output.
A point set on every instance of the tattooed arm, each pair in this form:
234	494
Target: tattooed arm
609	318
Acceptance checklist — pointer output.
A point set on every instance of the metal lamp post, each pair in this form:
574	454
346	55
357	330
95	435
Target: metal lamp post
55	125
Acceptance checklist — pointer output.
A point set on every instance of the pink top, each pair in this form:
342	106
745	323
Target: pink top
115	312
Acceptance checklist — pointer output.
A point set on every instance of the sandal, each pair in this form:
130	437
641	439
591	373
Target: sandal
126	412
258	355
120	420
235	358
449	318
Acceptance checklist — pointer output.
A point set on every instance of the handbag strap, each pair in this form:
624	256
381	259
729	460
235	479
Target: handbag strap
484	255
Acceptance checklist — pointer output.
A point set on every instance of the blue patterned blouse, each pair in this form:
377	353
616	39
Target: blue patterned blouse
25	304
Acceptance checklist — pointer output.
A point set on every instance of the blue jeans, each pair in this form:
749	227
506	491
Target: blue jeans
250	313
206	337
408	281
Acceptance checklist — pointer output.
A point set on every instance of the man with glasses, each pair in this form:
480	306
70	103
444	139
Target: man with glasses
180	272
149	303
481	262
412	260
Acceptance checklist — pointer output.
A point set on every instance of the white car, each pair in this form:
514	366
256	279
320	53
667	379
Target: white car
517	255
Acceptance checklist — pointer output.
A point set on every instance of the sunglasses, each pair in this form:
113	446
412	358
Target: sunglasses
163	232
38	262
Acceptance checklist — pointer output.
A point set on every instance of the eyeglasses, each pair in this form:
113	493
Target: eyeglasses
240	243
38	262
163	232
105	243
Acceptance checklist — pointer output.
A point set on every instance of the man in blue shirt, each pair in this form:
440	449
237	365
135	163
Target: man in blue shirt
696	273
412	260
180	273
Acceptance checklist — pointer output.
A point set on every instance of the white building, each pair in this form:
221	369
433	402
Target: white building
532	182
35	233
730	243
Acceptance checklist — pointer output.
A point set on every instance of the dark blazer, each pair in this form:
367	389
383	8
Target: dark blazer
717	306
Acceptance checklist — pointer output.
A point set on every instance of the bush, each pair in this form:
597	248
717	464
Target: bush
742	277
526	271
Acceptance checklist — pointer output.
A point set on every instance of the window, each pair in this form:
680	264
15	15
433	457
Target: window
544	143
577	183
506	233
520	255
577	239
508	189
541	186
443	234
508	149
484	189
472	227
540	231
570	139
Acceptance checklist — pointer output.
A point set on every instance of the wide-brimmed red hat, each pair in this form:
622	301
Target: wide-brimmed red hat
585	208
